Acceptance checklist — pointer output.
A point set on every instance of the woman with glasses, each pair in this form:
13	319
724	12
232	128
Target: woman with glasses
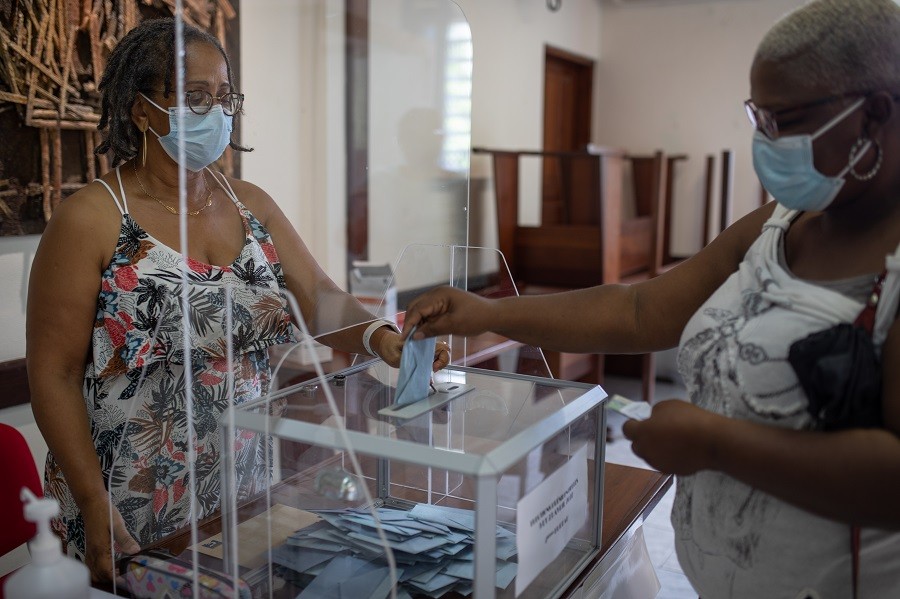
788	452
107	363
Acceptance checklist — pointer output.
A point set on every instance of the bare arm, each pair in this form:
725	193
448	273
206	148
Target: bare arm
851	476
62	303
609	318
334	316
324	306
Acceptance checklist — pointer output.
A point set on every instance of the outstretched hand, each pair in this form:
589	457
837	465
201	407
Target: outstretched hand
675	439
390	349
448	311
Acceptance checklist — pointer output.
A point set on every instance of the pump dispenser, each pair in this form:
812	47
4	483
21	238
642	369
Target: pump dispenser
50	575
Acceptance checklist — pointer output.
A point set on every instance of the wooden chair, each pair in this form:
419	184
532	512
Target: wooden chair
717	201
725	195
644	255
583	239
670	260
651	177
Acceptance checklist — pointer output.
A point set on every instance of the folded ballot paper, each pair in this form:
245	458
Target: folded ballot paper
341	556
416	361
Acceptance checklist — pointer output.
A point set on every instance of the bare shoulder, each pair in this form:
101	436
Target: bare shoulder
737	239
252	196
706	270
88	220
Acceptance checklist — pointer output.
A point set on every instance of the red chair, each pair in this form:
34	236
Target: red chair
18	471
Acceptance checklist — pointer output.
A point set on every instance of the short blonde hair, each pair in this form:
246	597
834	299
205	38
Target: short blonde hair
849	45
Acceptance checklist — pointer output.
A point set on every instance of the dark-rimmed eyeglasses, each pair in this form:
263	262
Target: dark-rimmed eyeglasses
766	121
201	101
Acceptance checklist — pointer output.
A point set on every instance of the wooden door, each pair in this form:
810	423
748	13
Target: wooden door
568	90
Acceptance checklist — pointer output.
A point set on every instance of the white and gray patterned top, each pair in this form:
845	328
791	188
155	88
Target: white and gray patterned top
733	540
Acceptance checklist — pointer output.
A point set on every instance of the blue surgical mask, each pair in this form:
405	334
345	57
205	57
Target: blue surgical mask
786	169
205	136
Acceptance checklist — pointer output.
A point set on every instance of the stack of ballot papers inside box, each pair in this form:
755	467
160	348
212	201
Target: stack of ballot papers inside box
342	557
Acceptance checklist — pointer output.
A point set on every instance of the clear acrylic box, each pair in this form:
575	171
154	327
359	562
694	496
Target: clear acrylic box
523	457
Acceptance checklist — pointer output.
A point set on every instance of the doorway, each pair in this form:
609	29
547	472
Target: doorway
568	97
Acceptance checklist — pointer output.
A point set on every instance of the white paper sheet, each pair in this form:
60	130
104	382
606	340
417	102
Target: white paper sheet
549	516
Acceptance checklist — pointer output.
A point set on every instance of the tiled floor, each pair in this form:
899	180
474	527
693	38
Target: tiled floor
658	532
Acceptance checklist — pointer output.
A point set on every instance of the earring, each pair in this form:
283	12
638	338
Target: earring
144	155
874	170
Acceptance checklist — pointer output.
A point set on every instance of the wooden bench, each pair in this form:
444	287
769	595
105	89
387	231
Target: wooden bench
584	238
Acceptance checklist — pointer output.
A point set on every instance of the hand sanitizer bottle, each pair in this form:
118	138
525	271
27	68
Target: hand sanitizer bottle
50	575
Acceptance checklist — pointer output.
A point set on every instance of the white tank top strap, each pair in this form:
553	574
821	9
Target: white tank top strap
223	183
781	218
123	210
889	301
122	190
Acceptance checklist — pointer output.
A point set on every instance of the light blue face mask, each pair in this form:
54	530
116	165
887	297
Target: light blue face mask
416	361
205	136
786	169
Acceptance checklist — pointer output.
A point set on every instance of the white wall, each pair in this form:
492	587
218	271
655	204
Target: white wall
674	76
412	198
509	38
16	254
292	72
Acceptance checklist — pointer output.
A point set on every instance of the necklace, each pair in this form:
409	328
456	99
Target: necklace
166	206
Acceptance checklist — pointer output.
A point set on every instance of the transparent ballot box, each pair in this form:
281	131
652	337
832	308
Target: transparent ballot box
489	487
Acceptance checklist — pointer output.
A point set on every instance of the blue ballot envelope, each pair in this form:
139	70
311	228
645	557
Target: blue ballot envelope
415	369
414	394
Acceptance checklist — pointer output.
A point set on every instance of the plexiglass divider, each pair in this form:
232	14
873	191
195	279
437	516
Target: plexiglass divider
483	271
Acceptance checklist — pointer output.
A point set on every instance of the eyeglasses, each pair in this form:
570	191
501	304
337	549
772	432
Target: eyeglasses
200	102
766	121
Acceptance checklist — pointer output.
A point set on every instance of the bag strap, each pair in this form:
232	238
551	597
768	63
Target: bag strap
865	320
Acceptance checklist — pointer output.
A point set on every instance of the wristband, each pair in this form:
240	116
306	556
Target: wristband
374	326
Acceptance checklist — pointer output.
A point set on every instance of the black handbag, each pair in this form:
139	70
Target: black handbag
840	371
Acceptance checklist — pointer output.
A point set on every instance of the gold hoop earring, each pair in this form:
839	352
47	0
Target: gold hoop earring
860	143
144	156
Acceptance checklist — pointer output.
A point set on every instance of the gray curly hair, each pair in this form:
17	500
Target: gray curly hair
849	45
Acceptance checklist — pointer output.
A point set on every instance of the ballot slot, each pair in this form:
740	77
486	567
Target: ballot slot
442	394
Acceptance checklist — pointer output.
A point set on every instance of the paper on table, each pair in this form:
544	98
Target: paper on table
425	555
254	541
300	559
348	577
448	517
506	571
549	516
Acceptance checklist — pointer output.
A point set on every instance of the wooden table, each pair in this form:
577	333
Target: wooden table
629	494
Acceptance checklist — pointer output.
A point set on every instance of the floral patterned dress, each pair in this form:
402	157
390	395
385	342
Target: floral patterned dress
135	381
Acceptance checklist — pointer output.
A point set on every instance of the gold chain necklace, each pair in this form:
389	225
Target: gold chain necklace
166	206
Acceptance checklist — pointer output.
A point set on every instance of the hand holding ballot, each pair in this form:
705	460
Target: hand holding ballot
678	437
